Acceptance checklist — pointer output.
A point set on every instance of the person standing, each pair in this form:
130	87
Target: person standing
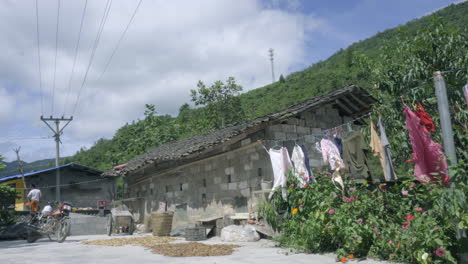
34	196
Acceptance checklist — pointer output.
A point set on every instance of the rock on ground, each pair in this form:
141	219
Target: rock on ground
234	233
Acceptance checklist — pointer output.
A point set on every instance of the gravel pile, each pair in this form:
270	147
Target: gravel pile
193	249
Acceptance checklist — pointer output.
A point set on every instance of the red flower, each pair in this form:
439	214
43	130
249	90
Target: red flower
306	178
331	211
344	198
351	199
405	225
383	187
305	186
292	185
360	220
408	161
412	185
440	252
419	209
319	171
327	175
352	189
409	217
404	192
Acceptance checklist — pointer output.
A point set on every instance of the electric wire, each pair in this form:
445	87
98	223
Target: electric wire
120	39
93	52
56	50
76	55
39	57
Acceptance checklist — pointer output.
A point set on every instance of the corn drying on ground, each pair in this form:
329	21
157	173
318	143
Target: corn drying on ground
193	249
160	245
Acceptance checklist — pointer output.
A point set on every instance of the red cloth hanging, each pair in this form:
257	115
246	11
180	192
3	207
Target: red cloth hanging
430	161
425	118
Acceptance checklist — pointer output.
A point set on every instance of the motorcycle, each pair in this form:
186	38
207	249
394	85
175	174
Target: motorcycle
50	223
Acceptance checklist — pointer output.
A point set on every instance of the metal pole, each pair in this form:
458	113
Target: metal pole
57	156
444	113
57	132
272	66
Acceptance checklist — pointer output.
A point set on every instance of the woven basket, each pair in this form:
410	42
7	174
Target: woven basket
195	233
162	223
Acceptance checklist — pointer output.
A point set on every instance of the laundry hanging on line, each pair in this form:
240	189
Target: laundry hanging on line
389	171
354	156
281	163
430	161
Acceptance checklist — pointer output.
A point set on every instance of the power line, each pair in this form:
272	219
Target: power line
120	39
39	56
93	52
56	45
5	139
76	55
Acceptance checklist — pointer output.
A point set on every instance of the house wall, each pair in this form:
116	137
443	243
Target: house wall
80	195
227	183
19	186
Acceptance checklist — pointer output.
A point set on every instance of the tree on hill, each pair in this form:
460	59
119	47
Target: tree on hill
222	104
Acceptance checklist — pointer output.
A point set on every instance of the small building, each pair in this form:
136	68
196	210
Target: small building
80	185
219	173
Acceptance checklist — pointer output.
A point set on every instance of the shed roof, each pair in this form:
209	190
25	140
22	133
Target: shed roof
350	101
71	164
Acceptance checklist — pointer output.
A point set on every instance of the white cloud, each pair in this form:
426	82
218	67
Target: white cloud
169	47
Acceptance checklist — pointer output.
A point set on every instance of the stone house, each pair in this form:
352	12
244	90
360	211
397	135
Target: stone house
217	174
82	186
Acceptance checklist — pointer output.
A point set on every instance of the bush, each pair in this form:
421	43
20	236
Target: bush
405	221
7	195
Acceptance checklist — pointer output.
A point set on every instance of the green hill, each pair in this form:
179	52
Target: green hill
337	71
12	167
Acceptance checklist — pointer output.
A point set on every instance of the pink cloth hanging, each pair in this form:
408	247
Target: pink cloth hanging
430	162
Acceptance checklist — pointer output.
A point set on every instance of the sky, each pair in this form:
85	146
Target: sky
168	48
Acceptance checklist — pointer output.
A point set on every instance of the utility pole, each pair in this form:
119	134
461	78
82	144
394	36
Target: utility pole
444	113
272	67
57	133
20	168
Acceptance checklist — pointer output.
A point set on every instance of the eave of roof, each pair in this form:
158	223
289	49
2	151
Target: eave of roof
71	164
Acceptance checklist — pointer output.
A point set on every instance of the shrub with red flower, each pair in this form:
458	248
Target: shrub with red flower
440	252
405	225
409	217
383	187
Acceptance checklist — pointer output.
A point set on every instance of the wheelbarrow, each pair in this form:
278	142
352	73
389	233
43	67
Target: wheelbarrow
120	221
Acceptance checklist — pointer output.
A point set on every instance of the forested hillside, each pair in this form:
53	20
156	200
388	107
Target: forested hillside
362	63
11	168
